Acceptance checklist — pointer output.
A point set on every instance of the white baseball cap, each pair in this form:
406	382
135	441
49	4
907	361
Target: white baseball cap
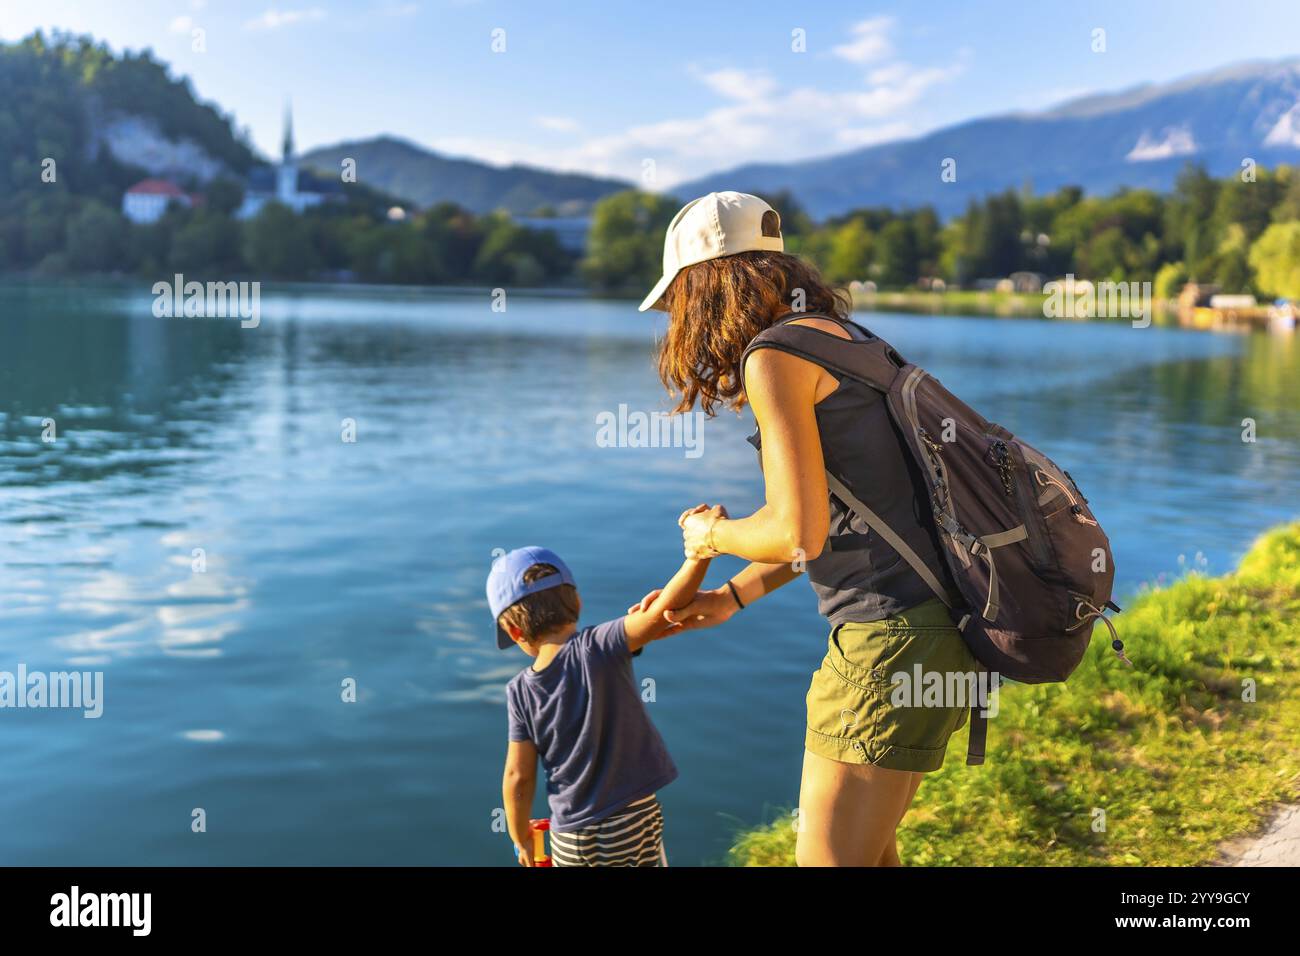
716	225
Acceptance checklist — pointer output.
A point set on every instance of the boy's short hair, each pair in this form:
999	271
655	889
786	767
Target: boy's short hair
544	611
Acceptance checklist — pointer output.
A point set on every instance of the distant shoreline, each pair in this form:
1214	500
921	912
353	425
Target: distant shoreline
1028	305
973	303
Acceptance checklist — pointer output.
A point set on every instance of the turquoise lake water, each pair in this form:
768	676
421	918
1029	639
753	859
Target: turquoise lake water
476	430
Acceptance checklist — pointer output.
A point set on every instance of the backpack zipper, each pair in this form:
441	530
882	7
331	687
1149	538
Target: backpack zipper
1029	512
941	500
1076	509
1002	461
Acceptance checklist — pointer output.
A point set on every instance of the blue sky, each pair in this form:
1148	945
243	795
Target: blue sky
694	86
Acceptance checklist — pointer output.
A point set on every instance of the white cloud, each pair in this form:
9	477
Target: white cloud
274	18
783	126
758	121
181	24
739	84
870	41
557	124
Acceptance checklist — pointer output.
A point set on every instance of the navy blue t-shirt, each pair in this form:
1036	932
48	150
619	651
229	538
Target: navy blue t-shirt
586	718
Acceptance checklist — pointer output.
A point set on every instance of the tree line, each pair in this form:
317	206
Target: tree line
1241	233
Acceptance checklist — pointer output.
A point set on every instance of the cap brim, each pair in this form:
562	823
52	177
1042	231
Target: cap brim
503	639
652	300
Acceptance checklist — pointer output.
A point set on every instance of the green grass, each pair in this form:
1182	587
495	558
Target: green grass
1168	749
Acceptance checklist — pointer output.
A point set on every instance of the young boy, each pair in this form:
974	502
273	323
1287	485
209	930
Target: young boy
578	708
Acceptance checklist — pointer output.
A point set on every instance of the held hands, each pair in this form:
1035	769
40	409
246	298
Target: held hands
705	608
709	608
697	531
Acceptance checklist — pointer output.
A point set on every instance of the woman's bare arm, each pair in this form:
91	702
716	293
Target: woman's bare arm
793	524
713	607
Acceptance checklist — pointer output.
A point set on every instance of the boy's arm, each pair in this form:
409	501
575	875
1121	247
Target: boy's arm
517	788
648	624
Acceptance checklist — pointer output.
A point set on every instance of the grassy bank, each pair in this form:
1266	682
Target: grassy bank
1169	750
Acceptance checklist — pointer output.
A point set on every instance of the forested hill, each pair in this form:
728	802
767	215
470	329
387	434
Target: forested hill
61	98
59	95
79	124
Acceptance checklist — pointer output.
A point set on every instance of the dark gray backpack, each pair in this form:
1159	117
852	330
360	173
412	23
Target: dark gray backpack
1032	566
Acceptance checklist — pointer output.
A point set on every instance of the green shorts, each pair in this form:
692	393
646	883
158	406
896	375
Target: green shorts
862	710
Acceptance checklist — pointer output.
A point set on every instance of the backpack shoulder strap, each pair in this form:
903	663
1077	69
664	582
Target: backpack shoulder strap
867	358
878	525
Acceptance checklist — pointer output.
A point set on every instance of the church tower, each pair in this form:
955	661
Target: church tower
286	178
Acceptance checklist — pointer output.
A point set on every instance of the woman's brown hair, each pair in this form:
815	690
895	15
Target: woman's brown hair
715	309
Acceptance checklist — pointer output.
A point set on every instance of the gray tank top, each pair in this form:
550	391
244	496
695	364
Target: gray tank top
858	577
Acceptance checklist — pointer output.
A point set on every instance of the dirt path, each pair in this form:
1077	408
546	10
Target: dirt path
1278	845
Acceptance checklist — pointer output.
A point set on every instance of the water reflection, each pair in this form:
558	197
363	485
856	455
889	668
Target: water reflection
328	560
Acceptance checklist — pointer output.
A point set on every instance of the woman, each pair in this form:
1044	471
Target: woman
727	284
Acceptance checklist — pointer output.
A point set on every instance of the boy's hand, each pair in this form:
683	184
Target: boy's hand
525	857
645	602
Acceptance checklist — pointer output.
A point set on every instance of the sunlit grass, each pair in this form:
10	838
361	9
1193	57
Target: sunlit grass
1169	750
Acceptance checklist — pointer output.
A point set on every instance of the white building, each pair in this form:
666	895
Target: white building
147	200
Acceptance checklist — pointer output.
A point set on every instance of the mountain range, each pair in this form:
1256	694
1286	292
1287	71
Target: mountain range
426	178
1140	137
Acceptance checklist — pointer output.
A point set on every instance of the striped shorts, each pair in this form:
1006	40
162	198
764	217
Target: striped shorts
632	837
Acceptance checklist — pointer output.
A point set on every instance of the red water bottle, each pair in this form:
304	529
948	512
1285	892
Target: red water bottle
540	856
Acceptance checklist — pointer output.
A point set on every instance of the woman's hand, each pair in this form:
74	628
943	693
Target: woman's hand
697	526
709	608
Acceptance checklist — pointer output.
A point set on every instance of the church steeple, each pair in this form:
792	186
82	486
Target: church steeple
287	155
286	175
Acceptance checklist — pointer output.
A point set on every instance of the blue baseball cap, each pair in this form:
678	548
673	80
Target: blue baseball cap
505	583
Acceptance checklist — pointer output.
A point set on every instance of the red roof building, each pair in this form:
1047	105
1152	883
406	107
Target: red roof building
147	200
